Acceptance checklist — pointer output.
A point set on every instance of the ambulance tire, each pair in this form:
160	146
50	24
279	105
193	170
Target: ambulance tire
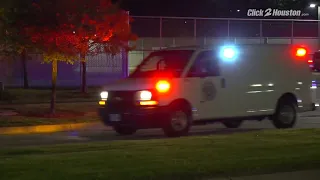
179	120
233	124
286	114
124	130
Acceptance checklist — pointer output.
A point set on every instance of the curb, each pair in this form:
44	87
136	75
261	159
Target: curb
43	103
310	116
58	102
41	129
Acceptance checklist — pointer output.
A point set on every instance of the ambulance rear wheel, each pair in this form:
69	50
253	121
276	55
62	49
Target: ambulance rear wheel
124	130
179	120
233	124
285	115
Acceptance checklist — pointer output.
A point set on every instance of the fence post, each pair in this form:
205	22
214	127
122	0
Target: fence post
1	89
292	35
318	22
195	30
80	73
142	47
261	32
160	33
228	29
125	61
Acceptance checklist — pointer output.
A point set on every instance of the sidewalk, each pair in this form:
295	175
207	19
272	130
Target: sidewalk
299	175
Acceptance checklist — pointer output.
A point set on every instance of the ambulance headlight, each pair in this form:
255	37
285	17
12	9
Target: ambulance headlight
104	95
144	95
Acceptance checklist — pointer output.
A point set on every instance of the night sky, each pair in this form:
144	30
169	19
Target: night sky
207	8
204	8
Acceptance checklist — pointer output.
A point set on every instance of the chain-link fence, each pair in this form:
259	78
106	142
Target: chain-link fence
164	27
166	31
101	69
158	32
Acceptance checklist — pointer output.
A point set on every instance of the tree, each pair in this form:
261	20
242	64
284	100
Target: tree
53	44
96	27
67	30
14	15
104	28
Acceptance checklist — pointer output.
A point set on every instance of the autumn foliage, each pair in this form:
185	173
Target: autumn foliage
67	30
79	28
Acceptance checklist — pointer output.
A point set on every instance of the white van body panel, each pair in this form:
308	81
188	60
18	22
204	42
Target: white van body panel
262	74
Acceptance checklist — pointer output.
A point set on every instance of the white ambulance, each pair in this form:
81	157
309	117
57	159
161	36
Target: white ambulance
175	88
314	63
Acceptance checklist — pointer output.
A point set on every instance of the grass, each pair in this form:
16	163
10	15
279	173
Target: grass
36	114
25	96
171	159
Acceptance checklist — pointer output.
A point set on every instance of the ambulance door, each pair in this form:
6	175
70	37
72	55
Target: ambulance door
209	86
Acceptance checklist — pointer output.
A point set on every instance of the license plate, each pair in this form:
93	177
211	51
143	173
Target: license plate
115	117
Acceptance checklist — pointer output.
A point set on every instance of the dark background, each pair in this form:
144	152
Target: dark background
149	27
210	8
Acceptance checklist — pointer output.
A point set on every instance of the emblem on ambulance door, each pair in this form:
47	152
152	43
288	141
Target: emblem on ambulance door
209	91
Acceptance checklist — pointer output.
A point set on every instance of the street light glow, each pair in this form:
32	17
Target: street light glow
312	5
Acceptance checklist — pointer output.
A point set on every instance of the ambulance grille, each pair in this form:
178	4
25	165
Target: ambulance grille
120	100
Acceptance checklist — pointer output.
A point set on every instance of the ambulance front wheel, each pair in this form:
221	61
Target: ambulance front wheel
179	120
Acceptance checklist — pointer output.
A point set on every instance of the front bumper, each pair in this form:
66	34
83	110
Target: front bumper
309	107
137	117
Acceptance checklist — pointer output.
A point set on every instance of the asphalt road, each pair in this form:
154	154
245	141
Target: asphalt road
102	133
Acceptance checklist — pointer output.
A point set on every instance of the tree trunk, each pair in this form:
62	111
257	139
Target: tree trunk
54	86
24	69
84	74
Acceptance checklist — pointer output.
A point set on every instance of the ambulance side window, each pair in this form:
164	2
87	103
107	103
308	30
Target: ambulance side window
206	64
316	62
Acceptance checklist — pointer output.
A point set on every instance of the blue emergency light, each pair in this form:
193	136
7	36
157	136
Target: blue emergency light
228	53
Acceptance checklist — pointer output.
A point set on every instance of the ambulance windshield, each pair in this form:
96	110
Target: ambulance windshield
163	63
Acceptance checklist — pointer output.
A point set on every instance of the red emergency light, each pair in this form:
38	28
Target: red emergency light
301	52
163	86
